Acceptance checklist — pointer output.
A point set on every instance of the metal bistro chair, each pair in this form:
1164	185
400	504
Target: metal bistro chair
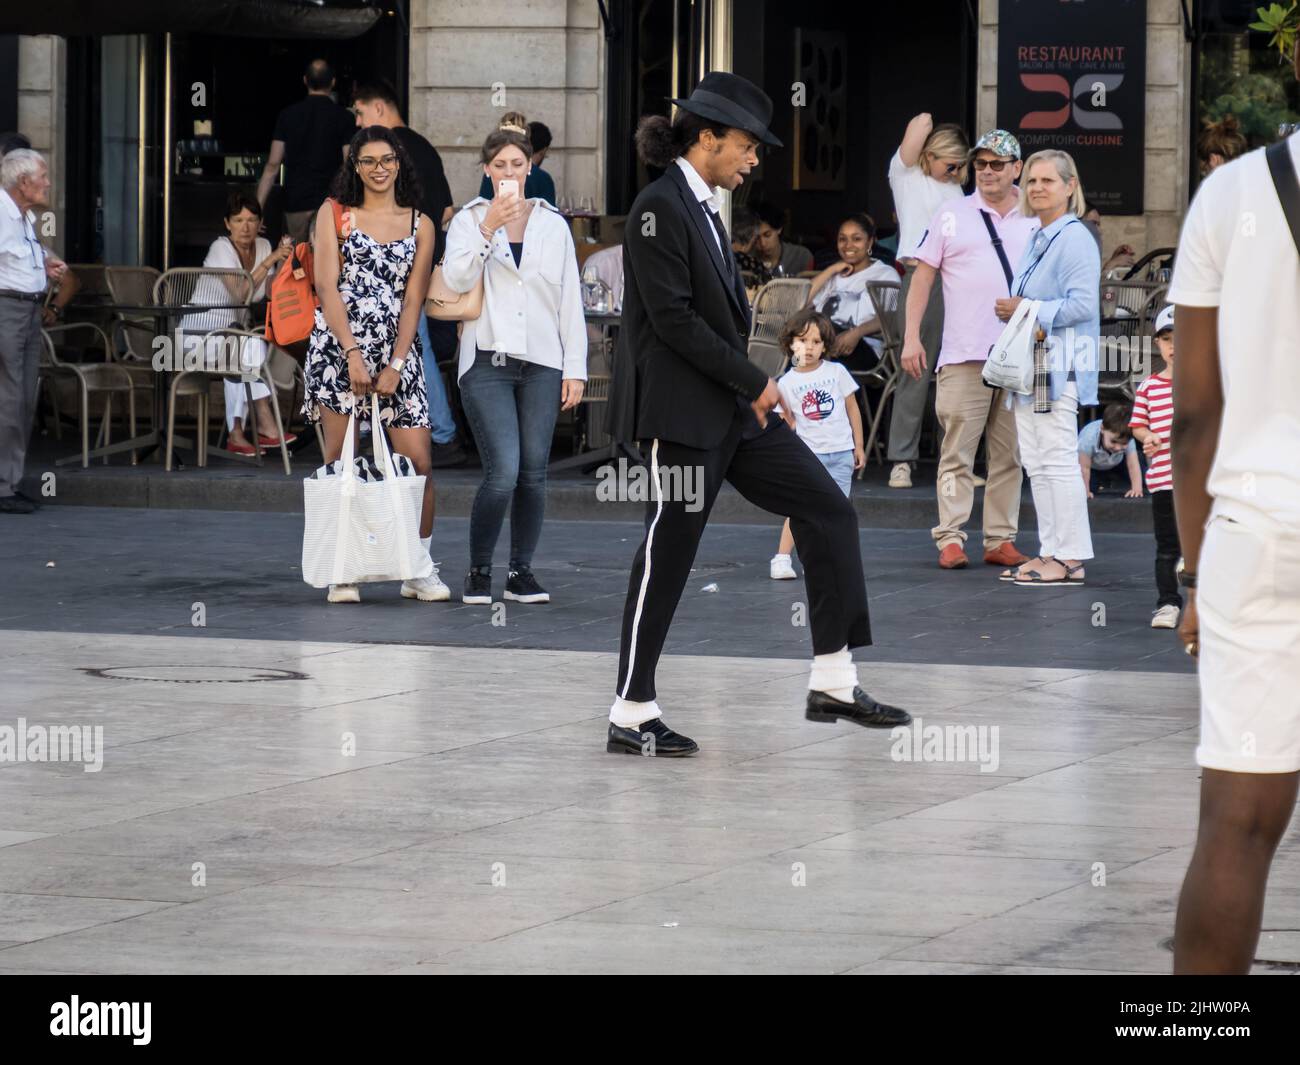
198	331
104	378
775	303
595	397
1128	312
133	334
884	296
226	358
286	375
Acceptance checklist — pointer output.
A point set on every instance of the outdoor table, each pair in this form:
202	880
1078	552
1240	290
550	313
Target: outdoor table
163	315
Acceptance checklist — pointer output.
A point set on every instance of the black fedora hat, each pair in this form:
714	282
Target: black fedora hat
734	101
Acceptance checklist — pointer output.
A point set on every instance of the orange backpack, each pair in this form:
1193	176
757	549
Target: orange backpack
291	308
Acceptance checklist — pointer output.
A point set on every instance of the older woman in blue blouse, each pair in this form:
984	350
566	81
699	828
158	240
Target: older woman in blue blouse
1062	269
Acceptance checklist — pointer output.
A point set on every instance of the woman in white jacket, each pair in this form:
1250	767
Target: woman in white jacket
522	361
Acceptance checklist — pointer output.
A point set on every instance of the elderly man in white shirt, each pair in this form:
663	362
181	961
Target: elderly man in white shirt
25	268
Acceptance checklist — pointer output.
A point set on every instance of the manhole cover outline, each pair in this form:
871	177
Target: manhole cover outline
267	674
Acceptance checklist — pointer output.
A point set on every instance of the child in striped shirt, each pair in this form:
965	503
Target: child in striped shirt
1153	414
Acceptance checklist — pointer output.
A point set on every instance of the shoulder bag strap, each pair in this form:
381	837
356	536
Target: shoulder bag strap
1042	255
997	247
1282	169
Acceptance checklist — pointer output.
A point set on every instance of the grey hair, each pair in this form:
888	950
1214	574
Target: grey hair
1065	170
19	164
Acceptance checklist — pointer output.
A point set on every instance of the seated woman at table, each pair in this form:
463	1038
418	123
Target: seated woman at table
241	249
840	293
522	361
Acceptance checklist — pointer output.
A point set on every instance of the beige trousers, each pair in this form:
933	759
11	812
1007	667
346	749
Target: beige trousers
966	409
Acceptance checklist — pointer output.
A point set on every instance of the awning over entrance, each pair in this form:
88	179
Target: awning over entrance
234	18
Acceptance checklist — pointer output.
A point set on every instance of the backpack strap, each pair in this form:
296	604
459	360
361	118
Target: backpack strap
1282	169
342	220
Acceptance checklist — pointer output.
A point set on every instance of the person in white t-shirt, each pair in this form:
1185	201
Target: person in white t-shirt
928	170
240	249
817	402
840	293
1236	434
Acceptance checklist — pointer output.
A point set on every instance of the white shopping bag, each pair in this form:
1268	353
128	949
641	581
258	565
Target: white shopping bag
364	528
1010	364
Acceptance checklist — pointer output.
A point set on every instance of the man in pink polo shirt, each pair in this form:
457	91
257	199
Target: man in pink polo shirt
974	245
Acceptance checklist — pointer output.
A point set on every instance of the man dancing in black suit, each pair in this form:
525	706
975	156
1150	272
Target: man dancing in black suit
701	403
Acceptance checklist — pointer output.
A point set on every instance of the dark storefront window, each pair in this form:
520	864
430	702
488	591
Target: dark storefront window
1239	74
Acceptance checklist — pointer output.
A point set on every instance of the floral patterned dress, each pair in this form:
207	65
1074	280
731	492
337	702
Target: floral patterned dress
372	282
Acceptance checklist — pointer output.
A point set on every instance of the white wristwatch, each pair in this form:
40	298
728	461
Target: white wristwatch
397	364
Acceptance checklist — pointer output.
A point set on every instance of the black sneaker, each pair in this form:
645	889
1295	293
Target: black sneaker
478	586
15	504
444	456
28	499
522	587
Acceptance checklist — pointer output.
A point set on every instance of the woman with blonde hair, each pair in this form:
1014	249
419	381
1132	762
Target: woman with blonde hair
1061	269
522	361
927	171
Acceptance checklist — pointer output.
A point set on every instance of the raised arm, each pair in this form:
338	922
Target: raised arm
914	138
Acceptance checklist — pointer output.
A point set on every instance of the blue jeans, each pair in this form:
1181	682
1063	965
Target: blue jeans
442	424
511	411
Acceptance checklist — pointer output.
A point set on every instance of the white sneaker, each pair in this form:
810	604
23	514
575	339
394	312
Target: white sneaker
427	589
782	570
344	593
1166	617
901	475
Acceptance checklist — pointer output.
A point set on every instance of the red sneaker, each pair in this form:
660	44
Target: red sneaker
953	557
1005	554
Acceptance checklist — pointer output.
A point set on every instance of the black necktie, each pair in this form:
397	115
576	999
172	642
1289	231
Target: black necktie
724	241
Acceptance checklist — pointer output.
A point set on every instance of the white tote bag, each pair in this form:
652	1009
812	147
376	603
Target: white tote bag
365	528
1010	364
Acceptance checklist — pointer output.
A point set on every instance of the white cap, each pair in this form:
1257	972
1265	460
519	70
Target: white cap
1165	319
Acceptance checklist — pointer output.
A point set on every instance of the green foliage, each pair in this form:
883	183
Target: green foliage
1283	23
1258	101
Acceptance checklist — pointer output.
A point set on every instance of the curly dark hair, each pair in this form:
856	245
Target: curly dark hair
659	141
347	187
801	320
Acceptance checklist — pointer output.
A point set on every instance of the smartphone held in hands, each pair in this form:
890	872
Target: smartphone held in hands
508	187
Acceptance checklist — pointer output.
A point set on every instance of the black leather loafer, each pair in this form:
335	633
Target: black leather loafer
651	738
864	711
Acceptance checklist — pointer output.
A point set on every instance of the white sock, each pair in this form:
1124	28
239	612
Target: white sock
779	555
627	714
835	674
426	542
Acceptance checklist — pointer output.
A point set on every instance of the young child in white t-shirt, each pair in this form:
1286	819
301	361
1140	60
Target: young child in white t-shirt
817	402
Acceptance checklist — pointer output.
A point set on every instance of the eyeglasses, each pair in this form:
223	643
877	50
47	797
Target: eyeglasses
996	165
387	162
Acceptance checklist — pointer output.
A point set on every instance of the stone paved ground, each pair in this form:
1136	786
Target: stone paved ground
406	788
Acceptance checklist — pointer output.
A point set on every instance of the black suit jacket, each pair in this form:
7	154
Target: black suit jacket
685	324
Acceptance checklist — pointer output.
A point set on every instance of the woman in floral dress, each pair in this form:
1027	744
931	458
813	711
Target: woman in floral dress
372	275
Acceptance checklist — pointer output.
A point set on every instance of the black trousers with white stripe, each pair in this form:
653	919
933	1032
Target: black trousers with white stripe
774	470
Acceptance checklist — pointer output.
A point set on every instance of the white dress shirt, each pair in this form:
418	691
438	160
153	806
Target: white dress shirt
702	193
22	259
532	311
